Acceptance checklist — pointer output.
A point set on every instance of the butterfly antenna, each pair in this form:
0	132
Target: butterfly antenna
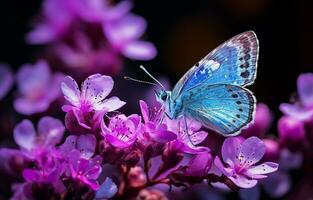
139	81
146	71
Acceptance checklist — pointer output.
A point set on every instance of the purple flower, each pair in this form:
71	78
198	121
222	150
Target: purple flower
85	170
241	157
124	34
38	88
106	190
303	109
48	170
91	98
122	131
50	133
6	80
152	128
291	130
200	164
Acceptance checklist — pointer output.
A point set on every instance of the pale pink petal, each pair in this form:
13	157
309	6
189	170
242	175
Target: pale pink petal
117	142
117	11
144	111
96	87
231	149
243	182
110	104
252	150
28	106
264	168
25	134
50	130
198	137
70	90
305	89
296	111
218	163
124	30
86	144
139	50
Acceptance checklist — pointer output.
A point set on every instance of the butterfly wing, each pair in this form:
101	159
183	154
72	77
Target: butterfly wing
223	108
233	62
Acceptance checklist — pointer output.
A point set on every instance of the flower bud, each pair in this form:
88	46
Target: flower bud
171	156
272	150
151	195
291	131
199	165
136	177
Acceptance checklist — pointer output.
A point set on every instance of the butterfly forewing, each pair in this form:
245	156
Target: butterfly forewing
233	62
223	108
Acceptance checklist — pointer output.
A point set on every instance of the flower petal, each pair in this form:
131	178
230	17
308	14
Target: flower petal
70	90
86	144
28	106
243	182
119	143
295	111
218	163
252	150
106	190
144	110
139	50
264	168
282	183
305	89
231	149
25	134
96	87
109	105
31	175
50	130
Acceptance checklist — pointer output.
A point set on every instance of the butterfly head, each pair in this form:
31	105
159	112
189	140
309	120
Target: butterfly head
162	96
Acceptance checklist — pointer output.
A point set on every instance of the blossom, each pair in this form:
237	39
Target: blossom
303	109
38	88
200	164
124	35
6	80
241	157
291	130
122	131
49	133
91	98
152	128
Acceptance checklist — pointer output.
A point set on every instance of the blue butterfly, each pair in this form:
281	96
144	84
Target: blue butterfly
213	91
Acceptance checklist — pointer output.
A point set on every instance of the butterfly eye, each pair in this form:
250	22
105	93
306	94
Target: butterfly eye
163	96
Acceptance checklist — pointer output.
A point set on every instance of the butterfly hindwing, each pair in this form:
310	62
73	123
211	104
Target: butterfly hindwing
233	62
223	108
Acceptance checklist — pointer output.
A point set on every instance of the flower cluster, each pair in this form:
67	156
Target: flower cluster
145	150
91	35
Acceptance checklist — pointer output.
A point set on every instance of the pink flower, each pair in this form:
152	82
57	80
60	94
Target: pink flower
124	35
38	88
122	131
303	109
241	157
50	133
91	98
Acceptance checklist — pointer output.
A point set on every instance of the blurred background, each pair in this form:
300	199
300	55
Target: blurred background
185	31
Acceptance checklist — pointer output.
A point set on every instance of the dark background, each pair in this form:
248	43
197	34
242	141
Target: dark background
185	31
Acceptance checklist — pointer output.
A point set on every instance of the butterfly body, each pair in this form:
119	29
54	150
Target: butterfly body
213	91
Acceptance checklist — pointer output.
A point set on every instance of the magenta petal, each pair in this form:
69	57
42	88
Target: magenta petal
144	111
50	130
96	87
94	172
200	164
117	142
6	80
43	33
231	149
86	144
305	89
218	163
119	10
295	111
110	104
139	50
252	150
31	175
161	134
264	168
70	90
25	134
69	144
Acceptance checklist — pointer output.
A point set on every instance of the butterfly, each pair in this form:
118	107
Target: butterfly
213	91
